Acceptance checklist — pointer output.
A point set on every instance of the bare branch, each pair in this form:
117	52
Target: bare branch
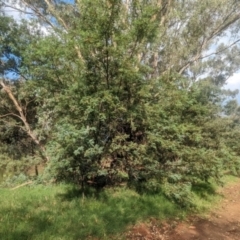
23	118
222	50
199	57
17	9
22	185
10	114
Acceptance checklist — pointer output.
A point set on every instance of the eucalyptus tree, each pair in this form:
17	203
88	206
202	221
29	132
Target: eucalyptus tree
18	139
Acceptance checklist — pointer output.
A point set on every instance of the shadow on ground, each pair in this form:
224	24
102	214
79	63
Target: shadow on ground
68	215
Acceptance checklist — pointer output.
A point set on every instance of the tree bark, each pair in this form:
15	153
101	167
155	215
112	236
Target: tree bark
23	119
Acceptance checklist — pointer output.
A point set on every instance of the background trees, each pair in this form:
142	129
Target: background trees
130	91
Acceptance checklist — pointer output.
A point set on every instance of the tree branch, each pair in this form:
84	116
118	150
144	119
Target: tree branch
56	15
222	50
23	118
10	114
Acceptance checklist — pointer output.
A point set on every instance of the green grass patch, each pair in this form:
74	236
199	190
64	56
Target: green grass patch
61	212
206	195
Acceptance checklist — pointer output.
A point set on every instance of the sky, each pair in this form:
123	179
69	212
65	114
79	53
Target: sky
233	82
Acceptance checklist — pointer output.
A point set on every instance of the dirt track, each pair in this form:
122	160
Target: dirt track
223	223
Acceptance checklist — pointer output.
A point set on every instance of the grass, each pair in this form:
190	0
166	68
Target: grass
206	196
61	212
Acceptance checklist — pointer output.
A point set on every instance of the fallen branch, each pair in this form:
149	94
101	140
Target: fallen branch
24	184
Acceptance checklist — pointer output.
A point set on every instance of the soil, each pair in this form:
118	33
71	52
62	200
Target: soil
222	223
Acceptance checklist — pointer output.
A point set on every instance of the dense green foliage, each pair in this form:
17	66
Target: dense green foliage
122	92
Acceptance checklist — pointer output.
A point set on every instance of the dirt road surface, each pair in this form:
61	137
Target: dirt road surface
222	223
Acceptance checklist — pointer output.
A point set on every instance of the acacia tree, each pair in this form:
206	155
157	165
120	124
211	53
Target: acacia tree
131	90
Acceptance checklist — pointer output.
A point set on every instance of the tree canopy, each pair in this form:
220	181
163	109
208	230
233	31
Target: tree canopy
116	92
